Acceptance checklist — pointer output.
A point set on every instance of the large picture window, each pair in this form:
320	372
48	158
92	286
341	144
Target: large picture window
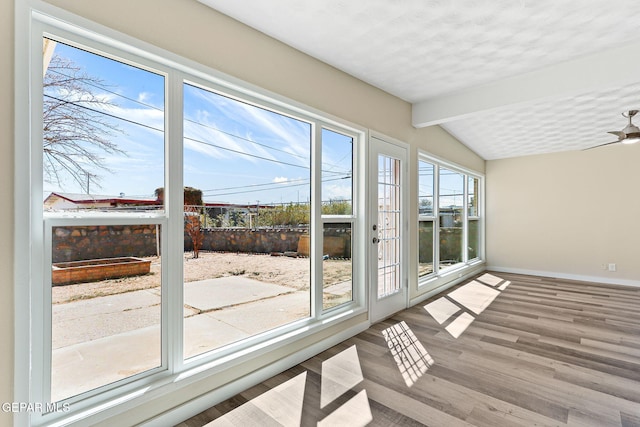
247	177
183	219
449	218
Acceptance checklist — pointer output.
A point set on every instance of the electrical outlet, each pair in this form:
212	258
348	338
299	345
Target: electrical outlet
612	267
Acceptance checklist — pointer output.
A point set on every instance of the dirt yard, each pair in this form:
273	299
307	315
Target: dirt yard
281	270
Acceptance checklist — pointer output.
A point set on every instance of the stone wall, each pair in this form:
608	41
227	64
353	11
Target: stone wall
76	243
336	244
248	240
92	242
337	240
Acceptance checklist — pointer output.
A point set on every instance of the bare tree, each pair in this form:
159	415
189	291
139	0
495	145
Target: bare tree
76	124
193	228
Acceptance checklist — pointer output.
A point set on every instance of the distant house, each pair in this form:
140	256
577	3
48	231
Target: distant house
71	201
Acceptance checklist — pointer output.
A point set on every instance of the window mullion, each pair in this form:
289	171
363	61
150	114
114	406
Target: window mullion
316	226
436	219
465	220
173	312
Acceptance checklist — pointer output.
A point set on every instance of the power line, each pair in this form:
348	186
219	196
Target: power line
257	185
275	188
161	110
162	131
246	154
245	139
185	137
137	101
75	104
185	119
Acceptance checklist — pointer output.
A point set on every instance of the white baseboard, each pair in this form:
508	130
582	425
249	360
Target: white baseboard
578	277
193	407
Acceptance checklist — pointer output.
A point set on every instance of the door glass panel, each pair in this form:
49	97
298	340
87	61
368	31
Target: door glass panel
450	205
389	280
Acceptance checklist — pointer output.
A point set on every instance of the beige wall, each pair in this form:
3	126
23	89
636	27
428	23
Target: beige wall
566	213
189	29
6	208
435	140
226	45
195	31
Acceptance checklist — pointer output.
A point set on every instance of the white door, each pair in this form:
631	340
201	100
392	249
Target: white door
387	228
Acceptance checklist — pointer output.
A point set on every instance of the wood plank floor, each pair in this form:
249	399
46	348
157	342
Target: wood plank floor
529	351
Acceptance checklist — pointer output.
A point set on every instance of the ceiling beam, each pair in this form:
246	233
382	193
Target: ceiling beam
610	68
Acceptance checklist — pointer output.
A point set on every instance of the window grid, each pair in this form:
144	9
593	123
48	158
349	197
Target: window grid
389	226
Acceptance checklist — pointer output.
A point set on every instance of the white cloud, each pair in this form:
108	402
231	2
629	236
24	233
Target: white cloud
336	191
252	123
280	179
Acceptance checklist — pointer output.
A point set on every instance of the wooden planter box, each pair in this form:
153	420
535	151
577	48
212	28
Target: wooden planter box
93	270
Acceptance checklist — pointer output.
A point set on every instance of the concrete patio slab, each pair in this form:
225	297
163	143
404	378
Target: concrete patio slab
92	319
85	366
203	333
68	332
338	289
212	294
263	315
106	339
105	305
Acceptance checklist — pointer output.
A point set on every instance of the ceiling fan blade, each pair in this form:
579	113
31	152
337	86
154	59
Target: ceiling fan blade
621	135
601	145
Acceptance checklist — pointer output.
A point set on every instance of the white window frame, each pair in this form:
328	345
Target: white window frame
358	265
435	249
34	258
437	277
477	217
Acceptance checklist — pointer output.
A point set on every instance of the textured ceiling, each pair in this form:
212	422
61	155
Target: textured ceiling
570	123
421	50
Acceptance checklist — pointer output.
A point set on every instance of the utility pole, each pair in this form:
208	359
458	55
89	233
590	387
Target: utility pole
89	175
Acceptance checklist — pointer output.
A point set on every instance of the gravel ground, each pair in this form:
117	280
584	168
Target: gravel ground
281	270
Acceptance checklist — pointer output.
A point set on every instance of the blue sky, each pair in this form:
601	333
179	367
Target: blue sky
233	151
451	186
